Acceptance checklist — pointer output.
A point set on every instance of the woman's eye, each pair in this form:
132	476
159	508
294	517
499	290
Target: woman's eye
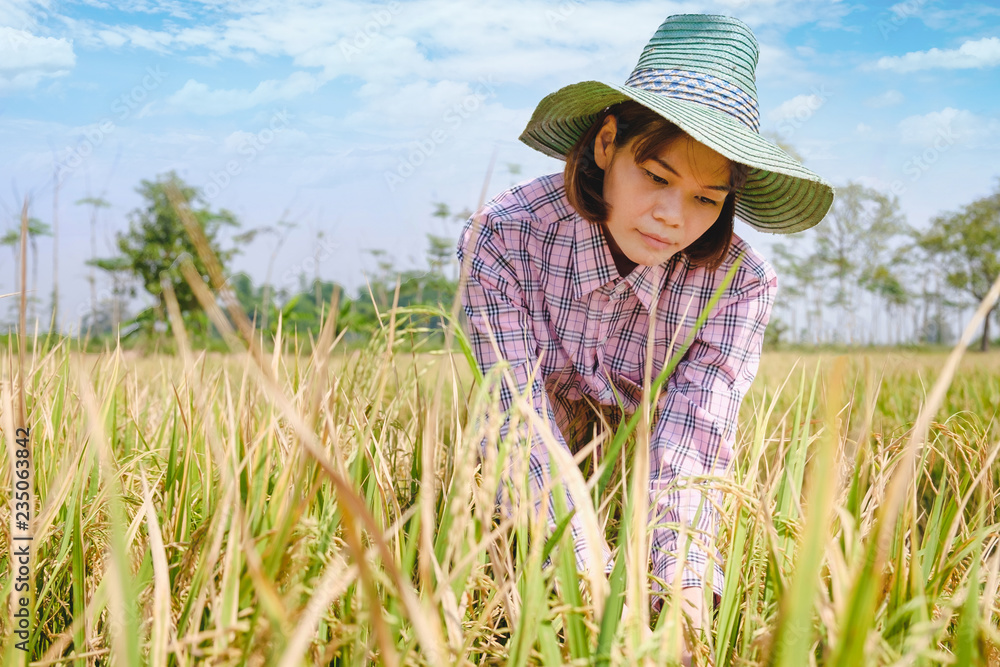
707	201
656	179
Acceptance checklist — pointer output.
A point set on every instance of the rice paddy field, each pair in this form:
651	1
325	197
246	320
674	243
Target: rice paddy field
326	506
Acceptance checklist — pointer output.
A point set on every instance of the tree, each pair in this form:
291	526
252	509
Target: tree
12	238
118	268
281	232
968	244
853	240
157	242
95	203
301	312
305	310
883	284
441	250
800	279
36	228
251	299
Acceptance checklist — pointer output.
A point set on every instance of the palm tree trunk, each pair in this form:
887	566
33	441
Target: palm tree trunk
34	275
55	252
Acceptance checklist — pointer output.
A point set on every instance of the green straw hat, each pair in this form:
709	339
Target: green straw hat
698	72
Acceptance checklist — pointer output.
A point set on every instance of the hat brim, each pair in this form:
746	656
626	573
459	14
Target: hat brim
780	195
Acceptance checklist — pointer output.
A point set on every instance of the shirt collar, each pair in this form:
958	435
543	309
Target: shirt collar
594	266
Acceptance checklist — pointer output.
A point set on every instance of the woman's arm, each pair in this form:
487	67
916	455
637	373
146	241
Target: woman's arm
696	428
500	328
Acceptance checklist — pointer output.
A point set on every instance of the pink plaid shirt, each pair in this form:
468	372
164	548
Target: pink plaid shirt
544	282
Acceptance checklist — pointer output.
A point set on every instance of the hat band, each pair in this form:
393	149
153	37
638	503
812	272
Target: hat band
702	88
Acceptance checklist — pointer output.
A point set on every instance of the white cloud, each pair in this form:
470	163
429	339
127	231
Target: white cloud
27	59
22	13
779	64
112	38
887	99
198	98
196	37
154	40
800	106
20	50
972	54
908	8
966	18
235	140
441	39
951	126
769	14
94	35
395	111
863	129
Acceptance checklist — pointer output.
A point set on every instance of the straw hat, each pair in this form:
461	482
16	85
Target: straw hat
697	71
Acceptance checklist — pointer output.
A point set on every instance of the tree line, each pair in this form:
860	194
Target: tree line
151	251
863	276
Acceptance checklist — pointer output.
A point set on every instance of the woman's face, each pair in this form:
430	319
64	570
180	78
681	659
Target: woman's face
660	207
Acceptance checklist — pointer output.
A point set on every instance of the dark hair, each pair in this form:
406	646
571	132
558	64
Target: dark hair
652	133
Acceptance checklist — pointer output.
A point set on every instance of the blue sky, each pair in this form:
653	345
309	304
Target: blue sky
310	106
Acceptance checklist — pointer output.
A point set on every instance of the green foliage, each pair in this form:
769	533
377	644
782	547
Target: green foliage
851	253
967	243
865	252
157	241
852	240
12	238
94	202
432	287
35	228
193	528
156	244
422	294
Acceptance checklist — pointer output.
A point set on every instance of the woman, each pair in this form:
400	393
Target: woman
567	270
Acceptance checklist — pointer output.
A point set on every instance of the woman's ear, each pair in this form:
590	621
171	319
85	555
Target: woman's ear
604	142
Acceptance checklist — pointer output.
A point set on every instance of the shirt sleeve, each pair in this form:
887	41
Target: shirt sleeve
695	431
494	302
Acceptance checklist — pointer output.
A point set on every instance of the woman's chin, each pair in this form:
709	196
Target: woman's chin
646	258
650	251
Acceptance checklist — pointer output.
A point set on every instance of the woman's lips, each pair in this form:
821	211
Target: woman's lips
655	241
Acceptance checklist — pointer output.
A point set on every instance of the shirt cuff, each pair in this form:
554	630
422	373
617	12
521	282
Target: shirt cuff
696	569
692	508
580	549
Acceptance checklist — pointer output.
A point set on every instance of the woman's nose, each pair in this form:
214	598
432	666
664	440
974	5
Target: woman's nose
669	208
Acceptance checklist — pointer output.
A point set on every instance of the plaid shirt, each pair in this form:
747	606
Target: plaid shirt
544	282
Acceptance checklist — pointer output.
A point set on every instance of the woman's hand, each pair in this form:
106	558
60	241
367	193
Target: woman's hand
693	605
